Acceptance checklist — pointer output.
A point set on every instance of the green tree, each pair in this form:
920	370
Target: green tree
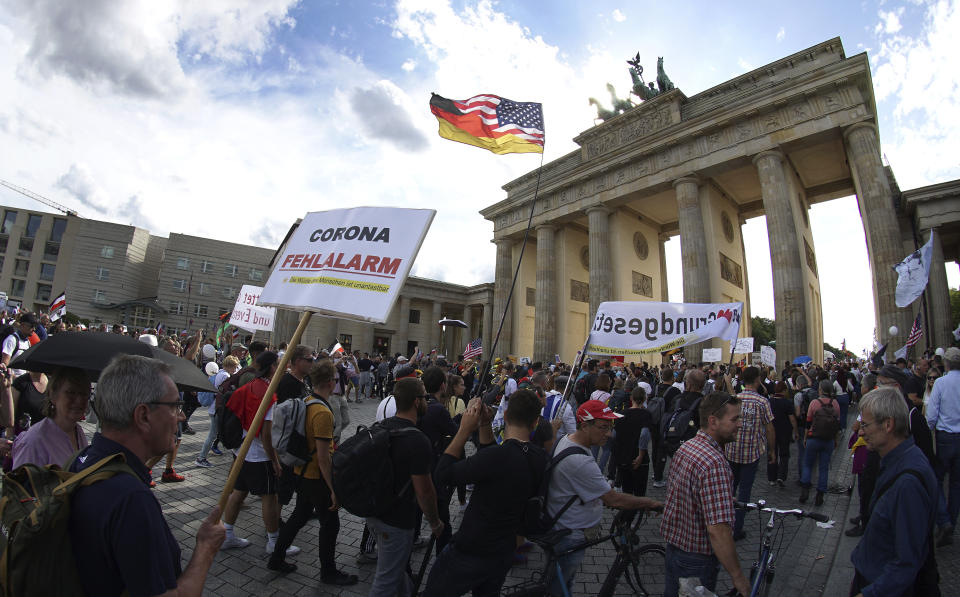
764	331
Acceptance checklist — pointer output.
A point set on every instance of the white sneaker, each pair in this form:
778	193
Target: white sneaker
234	542
291	551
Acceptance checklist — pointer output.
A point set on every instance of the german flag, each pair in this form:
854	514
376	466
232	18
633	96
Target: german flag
491	122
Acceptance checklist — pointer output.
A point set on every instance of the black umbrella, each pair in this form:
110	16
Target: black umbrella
93	351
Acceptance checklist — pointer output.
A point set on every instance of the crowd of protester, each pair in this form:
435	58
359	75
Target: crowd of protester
607	429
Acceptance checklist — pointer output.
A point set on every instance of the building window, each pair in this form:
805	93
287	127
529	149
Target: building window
179	285
256	274
16	287
346	341
43	293
103	273
223	311
1	263
229	293
99	296
51	251
33	224
200	311
414	315
9	219
231	269
106	252
20	267
176	308
207	267
183	263
59	227
142	316
3	244
204	289
26	247
47	271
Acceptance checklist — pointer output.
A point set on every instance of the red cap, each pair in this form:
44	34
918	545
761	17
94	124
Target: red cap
595	409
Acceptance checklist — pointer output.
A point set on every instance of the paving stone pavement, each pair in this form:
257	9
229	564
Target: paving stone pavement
811	561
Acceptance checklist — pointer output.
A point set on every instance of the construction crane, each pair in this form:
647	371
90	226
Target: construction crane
40	198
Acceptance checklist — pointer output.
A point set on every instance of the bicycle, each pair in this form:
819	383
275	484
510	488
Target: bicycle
764	568
641	566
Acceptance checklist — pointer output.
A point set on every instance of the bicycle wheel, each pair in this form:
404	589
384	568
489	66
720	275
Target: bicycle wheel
642	573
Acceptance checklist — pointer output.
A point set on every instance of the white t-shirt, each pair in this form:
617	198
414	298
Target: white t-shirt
256	453
12	347
577	474
510	387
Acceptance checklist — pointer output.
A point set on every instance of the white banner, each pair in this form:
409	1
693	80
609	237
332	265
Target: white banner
913	273
743	346
348	263
250	316
768	356
711	355
637	327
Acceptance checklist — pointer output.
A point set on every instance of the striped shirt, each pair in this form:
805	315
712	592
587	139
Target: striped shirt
751	442
699	493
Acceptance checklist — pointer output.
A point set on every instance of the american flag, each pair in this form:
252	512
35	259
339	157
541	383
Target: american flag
473	349
915	332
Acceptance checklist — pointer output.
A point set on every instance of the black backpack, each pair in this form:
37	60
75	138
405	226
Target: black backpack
807	396
825	423
583	387
363	475
619	401
230	429
536	519
679	426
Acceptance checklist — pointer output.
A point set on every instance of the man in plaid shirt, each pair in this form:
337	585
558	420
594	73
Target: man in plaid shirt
699	513
756	432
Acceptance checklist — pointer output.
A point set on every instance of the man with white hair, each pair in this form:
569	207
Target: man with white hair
121	542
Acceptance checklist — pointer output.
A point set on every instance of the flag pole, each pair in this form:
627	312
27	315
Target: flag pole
513	283
577	365
262	411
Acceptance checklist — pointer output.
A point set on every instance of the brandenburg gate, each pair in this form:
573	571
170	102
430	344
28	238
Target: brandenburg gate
771	142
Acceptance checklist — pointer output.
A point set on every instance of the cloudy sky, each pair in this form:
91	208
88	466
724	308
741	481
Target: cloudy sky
231	118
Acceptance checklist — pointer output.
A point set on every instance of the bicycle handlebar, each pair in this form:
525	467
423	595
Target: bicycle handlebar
761	505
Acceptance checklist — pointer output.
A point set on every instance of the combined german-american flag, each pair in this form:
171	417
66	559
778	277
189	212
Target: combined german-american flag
491	122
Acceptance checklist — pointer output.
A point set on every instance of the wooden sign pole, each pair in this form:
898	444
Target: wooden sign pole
262	411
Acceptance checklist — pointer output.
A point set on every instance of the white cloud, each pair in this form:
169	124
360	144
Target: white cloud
889	21
744	64
618	16
409	64
782	33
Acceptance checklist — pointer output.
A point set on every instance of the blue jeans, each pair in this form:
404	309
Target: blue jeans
569	564
458	573
844	401
818	451
605	452
948	452
743	476
211	435
393	554
801	450
684	564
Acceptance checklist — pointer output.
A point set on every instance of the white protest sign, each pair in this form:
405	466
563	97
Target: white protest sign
711	355
250	316
744	346
638	327
768	356
348	263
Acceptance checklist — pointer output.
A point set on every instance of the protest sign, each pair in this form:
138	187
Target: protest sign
744	346
768	356
348	263
711	355
638	327
248	315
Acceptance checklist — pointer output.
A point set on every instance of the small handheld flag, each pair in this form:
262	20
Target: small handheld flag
58	308
473	349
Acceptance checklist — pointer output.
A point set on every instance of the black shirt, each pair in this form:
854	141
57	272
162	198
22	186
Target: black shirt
364	365
915	385
626	442
411	455
437	425
120	538
504	478
290	387
30	401
782	408
542	434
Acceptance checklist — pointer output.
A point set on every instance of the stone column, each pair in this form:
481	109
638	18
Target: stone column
503	277
789	305
468	335
664	290
364	342
693	241
601	276
435	329
880	224
403	327
487	336
545	323
938	296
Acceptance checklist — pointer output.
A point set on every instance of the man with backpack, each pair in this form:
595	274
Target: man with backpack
120	540
315	481
823	422
410	461
505	477
681	420
17	340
